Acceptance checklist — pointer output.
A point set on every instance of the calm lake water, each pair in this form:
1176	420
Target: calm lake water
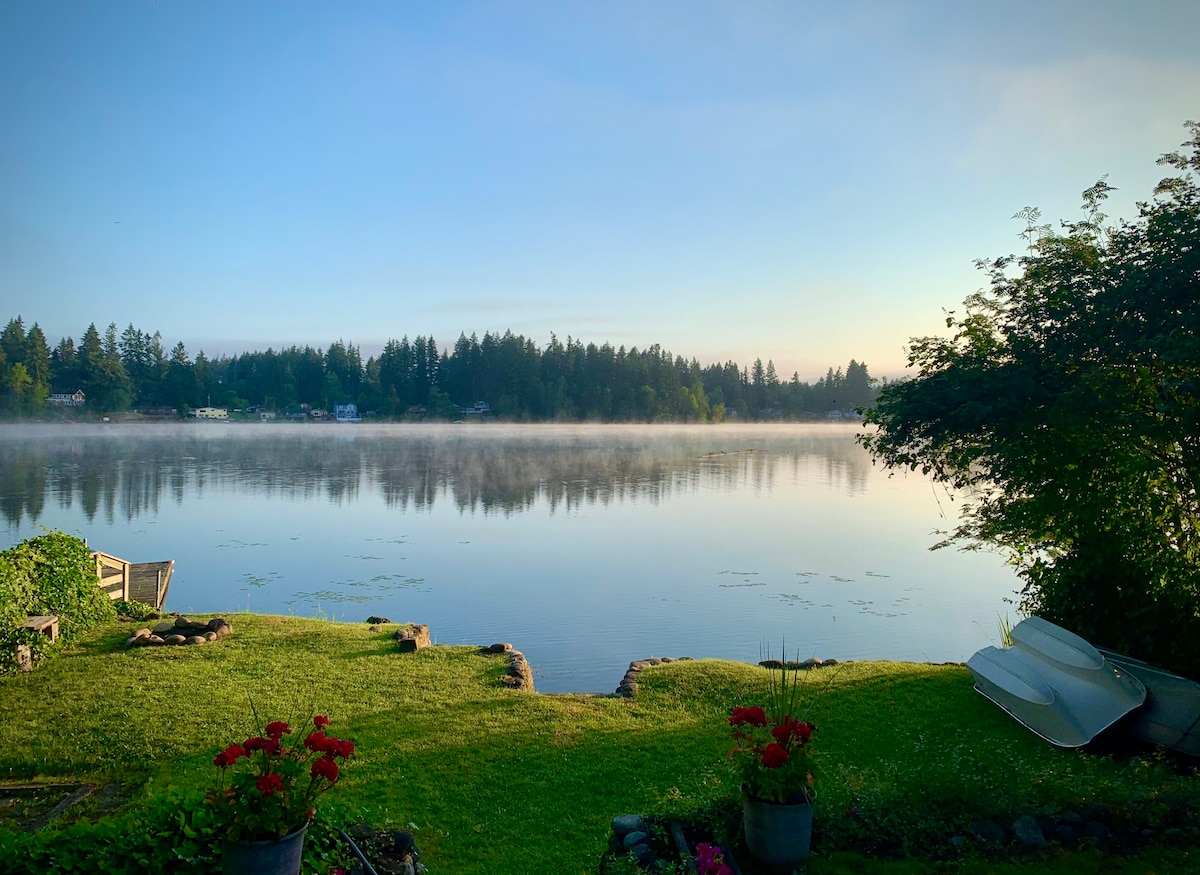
585	547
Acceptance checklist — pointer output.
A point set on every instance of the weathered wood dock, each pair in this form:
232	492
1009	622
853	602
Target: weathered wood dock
145	582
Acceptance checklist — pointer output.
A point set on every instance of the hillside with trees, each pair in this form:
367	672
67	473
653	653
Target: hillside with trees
132	370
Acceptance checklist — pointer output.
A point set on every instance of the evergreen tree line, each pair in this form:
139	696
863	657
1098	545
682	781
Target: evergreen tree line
519	381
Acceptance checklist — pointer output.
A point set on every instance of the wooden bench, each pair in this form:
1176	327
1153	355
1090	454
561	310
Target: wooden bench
47	625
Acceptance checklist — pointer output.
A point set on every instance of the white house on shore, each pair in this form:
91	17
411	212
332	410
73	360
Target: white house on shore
63	400
210	413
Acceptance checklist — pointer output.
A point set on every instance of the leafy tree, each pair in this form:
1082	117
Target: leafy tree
1066	407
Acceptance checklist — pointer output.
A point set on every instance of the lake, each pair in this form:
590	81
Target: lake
584	546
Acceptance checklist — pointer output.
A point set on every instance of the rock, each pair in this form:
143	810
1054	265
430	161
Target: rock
1029	832
771	663
960	845
498	648
403	841
163	627
654	660
378	621
812	662
832	662
182	622
24	657
412	639
142	633
988	833
195	639
1096	829
624	824
130	642
627	689
223	630
375	628
645	856
210	636
639	664
154	641
1065	834
1072	818
637	837
666	660
174	639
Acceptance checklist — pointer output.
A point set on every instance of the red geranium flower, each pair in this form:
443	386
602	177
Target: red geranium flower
774	756
754	716
320	721
269	784
255	743
229	756
315	741
276	729
345	749
326	767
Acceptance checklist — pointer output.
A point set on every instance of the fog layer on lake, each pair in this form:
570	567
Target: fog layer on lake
585	547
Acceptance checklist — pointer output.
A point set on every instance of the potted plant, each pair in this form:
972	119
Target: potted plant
772	751
267	791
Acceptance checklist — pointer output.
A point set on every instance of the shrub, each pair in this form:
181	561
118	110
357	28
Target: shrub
50	574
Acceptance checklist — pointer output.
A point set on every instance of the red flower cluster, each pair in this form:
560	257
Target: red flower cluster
752	716
772	753
792	728
269	784
274	792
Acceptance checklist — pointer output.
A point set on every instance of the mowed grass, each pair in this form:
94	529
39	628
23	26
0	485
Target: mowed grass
504	781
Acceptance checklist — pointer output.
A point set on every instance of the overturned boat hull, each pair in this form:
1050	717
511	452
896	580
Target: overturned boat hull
1056	684
1171	715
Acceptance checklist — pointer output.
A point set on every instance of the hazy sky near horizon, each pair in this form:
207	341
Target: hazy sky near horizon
796	181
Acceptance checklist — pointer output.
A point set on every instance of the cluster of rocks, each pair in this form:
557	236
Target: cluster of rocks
656	846
181	630
629	685
518	676
386	850
631	834
1092	825
802	665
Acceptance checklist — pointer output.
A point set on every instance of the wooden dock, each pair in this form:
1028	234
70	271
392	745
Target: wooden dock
145	582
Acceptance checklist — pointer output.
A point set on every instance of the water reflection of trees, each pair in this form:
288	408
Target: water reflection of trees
123	474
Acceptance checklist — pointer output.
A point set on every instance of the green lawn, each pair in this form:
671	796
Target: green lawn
509	782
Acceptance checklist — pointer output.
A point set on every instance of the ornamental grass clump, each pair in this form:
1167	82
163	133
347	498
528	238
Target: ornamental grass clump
772	747
269	784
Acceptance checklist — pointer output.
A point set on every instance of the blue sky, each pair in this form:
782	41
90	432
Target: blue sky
805	182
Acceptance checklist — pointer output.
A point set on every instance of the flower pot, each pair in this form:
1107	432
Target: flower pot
777	834
269	857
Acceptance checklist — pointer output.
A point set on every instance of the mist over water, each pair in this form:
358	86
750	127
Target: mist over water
585	546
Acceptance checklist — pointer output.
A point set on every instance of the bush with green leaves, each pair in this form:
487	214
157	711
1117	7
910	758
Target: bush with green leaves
52	574
1065	410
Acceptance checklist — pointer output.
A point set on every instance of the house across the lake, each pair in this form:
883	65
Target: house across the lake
210	413
64	400
346	412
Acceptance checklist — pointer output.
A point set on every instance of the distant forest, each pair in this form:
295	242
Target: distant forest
507	376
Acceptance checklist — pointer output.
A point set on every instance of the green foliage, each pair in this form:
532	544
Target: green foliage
51	574
568	382
1066	408
135	610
